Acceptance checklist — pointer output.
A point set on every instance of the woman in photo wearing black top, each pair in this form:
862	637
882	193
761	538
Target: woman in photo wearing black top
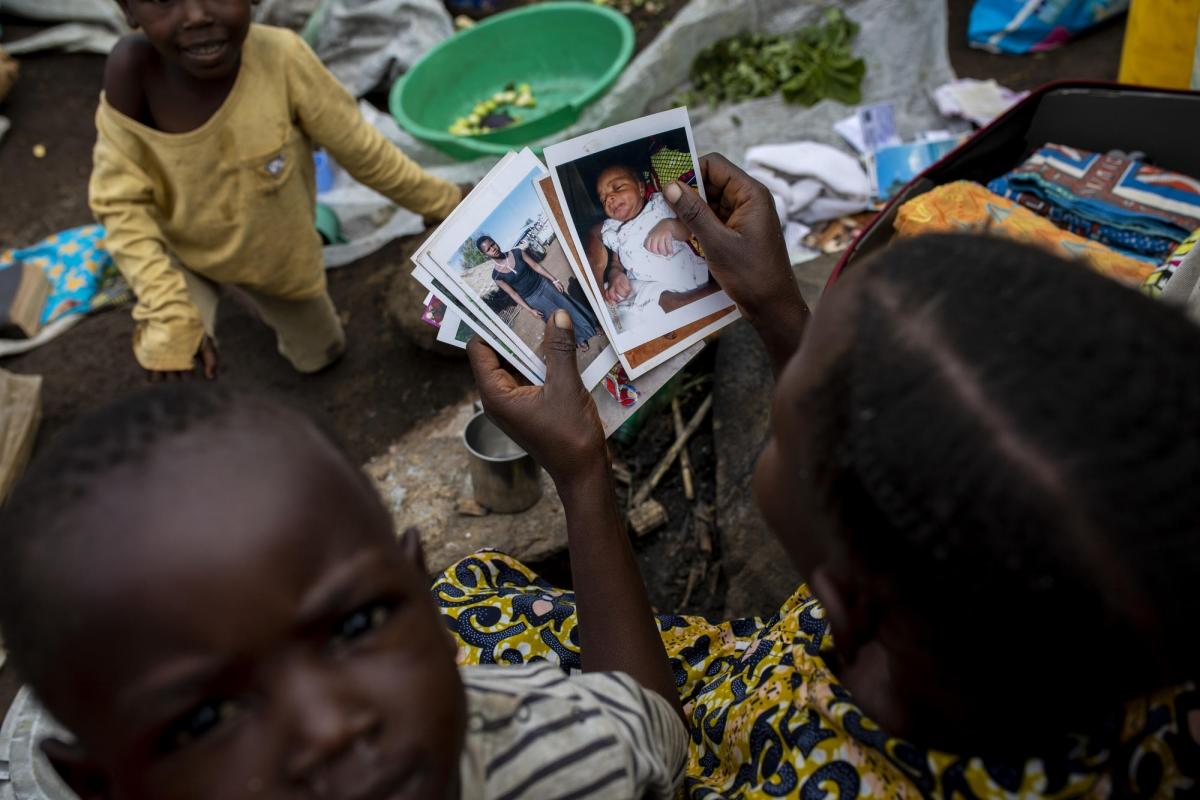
535	290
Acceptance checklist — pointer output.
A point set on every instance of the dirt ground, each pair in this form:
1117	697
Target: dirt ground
385	384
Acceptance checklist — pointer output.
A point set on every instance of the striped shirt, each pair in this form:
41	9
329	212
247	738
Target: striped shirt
534	732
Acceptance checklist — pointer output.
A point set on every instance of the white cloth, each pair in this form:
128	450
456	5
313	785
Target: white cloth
979	102
650	275
811	182
533	732
680	272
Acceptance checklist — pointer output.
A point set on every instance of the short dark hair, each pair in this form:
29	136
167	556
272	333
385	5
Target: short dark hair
485	238
1012	439
40	515
638	173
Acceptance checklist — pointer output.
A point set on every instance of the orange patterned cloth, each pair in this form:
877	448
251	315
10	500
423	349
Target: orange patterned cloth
964	206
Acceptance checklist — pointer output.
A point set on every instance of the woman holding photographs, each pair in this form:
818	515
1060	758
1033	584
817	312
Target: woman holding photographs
535	290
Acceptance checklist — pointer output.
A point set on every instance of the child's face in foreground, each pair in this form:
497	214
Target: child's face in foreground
255	629
621	193
202	37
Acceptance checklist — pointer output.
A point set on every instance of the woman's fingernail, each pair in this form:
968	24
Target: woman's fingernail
562	319
673	192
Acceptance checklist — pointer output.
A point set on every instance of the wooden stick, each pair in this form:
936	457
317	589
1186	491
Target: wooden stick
703	524
685	460
665	464
649	516
695	575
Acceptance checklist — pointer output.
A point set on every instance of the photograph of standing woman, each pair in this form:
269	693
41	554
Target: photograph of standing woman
510	258
535	290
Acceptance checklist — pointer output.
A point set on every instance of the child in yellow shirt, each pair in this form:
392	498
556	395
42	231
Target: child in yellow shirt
203	175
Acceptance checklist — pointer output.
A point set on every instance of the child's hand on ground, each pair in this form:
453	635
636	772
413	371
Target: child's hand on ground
207	356
557	423
740	232
663	237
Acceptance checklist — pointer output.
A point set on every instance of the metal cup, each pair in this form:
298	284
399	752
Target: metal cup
506	479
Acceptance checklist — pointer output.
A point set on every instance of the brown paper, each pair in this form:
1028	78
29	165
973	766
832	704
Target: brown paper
20	415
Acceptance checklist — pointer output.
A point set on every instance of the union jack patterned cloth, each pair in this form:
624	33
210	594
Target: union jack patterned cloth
1123	202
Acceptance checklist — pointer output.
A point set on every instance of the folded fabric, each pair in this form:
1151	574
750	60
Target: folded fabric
810	182
1181	284
78	267
1120	201
1031	26
964	206
1155	285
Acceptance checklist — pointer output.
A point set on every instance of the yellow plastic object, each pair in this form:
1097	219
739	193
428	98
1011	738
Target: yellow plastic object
1160	43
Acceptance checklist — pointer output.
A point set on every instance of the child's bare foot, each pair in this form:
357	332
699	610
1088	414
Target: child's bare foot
584	346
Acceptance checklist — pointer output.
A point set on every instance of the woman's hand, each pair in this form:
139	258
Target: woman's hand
533	312
556	423
663	236
743	242
558	285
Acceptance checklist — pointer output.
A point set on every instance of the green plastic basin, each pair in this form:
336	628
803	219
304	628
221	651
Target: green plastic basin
569	52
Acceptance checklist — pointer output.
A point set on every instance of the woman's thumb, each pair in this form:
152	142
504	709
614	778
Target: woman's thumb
693	211
559	346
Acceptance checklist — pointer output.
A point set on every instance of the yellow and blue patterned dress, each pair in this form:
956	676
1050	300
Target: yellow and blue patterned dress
768	719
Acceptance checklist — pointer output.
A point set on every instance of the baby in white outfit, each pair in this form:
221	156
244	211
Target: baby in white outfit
649	241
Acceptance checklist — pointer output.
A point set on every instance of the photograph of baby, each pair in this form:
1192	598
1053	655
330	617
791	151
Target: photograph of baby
641	259
644	358
509	258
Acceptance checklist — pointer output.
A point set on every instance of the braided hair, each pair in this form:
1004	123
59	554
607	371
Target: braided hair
1012	440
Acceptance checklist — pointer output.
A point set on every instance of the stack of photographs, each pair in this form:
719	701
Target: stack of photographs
589	233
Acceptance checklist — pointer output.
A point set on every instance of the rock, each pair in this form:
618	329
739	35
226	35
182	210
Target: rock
403	304
421	480
760	576
469	507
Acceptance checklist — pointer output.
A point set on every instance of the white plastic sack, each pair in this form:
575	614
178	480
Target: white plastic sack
291	14
105	13
73	37
368	219
367	44
94	25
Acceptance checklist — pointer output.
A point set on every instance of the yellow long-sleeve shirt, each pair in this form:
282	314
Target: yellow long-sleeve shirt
233	200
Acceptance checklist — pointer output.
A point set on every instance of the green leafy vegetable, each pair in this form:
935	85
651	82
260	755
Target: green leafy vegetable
807	66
